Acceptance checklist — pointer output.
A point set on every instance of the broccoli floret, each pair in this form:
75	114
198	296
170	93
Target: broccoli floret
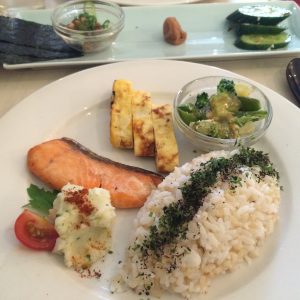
226	86
202	100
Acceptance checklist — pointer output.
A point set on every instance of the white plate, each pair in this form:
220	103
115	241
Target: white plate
153	2
142	38
78	107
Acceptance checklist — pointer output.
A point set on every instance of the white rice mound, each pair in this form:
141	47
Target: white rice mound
228	230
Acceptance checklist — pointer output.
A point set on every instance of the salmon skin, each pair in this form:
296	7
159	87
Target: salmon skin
61	161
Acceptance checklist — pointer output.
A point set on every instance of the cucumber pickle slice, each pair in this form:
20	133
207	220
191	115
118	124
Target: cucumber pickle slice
259	14
246	28
263	41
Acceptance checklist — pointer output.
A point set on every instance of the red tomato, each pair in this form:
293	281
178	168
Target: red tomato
35	232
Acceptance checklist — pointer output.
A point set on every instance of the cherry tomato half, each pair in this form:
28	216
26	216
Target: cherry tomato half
35	232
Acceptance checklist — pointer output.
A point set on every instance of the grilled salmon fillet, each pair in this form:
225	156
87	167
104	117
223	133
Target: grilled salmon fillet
61	161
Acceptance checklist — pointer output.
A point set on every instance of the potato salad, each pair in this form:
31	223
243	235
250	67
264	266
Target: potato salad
83	221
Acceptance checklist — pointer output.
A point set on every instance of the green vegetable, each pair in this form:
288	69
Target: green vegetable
259	14
202	100
90	14
249	104
187	117
89	8
226	86
188	107
87	21
249	116
189	113
263	41
40	199
105	24
258	29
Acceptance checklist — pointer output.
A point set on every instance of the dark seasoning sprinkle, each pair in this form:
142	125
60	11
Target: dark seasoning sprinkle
89	273
173	224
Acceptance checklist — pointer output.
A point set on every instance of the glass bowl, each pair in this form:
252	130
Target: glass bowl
87	41
188	93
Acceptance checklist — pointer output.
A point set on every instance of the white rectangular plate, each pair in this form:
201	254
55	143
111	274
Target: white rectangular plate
209	37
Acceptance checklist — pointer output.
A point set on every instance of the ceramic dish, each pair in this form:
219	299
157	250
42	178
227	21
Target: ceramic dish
142	38
78	107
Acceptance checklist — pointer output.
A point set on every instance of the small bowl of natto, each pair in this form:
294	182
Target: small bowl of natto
88	26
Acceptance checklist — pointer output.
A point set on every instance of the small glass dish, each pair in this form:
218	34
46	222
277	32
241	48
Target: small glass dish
88	41
188	93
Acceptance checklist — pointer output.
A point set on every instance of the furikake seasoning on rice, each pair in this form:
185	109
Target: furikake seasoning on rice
204	219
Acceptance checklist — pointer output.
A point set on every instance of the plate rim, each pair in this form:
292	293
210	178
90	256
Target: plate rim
9	117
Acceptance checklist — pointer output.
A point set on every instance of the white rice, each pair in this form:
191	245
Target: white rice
228	230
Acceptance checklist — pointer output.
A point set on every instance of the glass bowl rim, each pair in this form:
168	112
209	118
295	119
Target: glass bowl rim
115	27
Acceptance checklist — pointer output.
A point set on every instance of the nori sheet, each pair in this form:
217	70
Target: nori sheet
30	40
12	59
30	51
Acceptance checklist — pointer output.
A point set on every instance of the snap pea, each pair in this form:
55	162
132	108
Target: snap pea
187	115
190	113
249	104
187	107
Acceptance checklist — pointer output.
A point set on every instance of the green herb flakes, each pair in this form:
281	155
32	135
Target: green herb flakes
173	224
